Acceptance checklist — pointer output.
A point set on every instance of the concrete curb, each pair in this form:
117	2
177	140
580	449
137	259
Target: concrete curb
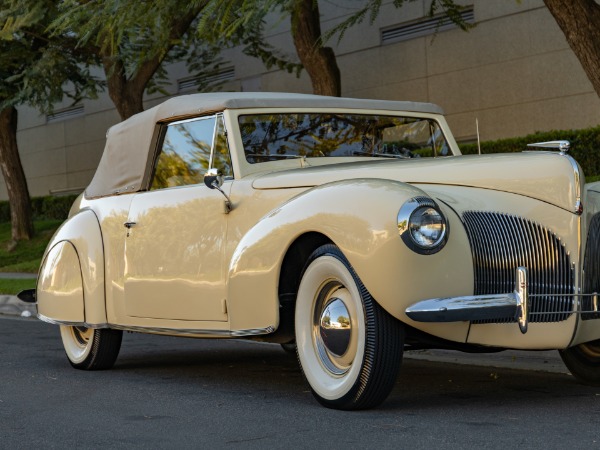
18	275
10	305
538	361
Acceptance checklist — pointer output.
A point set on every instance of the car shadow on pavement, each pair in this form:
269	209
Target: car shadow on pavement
233	365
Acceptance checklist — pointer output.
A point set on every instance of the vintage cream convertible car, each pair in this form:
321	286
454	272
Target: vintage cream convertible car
351	228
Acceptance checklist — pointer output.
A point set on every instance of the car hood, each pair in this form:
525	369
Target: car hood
547	176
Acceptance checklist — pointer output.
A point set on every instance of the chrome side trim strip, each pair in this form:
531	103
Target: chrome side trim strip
253	332
72	324
189	332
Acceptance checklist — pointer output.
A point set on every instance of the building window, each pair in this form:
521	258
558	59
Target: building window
212	79
65	113
425	27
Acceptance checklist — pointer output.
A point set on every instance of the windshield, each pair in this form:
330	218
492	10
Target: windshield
270	137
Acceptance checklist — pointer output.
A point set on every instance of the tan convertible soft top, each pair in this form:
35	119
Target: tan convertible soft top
129	143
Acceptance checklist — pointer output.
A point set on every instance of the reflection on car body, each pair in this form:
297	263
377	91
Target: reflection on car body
351	228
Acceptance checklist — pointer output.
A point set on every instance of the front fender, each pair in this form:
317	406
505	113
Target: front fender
360	217
71	279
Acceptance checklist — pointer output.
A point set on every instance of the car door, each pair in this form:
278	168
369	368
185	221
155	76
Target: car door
176	230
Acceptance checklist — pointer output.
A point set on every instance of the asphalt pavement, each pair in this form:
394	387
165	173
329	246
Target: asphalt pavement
166	392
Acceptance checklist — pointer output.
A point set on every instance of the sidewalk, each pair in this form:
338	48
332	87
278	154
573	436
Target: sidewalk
23	276
537	361
10	305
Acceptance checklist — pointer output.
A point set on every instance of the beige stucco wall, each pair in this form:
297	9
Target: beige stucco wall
514	72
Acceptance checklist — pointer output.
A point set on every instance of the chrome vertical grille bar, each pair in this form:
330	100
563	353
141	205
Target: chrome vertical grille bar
501	242
591	267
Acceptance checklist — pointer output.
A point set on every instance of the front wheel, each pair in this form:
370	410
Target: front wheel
583	361
90	349
349	348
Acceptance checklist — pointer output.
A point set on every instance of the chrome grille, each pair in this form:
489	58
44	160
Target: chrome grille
501	242
591	267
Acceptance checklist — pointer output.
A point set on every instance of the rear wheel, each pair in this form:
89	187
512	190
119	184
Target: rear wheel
90	349
583	361
349	348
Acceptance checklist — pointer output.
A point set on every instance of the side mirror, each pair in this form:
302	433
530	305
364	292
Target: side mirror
213	178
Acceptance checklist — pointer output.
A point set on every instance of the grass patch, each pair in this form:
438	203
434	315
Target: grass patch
27	256
592	178
13	286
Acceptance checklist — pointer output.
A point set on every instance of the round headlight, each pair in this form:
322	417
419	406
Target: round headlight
422	226
427	227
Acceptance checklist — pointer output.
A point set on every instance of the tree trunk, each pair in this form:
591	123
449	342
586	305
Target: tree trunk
14	177
126	95
319	62
580	22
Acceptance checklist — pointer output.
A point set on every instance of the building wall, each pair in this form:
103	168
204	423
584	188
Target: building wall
513	72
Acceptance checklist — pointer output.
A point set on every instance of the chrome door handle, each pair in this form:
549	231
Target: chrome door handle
128	225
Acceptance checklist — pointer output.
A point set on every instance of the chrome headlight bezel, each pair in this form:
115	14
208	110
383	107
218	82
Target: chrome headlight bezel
406	214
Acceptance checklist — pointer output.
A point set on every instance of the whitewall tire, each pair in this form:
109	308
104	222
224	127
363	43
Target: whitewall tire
91	349
349	348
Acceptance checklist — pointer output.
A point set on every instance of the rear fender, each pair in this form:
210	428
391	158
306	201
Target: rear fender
70	285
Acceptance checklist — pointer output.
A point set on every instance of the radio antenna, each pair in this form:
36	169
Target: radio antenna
478	140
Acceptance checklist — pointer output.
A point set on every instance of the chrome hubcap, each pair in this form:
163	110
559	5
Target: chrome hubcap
591	349
82	335
335	327
332	329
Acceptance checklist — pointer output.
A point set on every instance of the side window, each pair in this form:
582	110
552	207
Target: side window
186	152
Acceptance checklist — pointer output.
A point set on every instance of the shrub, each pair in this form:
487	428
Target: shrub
44	208
585	146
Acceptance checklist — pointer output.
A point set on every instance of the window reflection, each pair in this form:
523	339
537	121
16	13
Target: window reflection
186	152
270	137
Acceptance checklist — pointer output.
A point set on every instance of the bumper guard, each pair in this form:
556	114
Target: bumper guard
487	307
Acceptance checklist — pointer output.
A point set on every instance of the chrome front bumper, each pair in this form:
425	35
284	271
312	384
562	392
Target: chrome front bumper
486	307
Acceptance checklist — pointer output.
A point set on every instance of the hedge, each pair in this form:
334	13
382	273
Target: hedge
585	146
44	208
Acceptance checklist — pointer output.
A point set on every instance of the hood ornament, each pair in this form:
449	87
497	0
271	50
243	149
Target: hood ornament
562	146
